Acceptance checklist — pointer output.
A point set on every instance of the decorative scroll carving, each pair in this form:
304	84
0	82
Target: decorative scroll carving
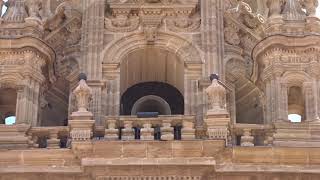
183	24
122	23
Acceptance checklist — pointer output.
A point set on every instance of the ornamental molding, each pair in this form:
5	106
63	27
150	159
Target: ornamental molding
129	16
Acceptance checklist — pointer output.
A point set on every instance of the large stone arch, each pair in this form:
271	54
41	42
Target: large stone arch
187	52
114	52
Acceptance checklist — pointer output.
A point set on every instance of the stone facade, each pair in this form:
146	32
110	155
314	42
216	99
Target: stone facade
160	89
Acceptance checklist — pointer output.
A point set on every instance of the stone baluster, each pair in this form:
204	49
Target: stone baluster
268	138
246	138
166	130
188	131
147	132
53	142
127	131
111	133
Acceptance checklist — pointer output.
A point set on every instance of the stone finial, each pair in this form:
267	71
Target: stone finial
217	95
293	11
83	94
16	12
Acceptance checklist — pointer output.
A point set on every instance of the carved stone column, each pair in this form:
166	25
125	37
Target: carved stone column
91	48
310	101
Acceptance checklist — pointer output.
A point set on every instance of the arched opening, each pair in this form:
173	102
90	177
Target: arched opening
296	104
11	120
151	103
152	97
151	79
8	101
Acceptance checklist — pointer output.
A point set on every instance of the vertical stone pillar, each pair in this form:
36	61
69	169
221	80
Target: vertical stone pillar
212	38
310	101
28	102
91	47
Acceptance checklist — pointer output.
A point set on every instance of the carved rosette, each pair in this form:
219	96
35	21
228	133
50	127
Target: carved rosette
217	98
83	94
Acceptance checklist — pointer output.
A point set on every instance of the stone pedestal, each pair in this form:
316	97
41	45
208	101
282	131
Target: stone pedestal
217	125
81	126
188	131
14	137
167	131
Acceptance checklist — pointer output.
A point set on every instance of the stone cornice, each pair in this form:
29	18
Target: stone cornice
46	52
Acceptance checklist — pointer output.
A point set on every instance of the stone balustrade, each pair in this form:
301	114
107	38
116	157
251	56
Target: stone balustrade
157	128
249	132
48	137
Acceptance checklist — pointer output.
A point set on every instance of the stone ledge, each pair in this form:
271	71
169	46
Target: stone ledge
41	169
238	168
146	162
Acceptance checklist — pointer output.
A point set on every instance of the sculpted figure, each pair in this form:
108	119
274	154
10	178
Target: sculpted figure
83	94
216	95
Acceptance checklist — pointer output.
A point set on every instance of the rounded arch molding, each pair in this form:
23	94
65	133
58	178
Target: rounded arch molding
184	49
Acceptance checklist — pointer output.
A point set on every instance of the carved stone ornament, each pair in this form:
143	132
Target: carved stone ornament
217	97
83	94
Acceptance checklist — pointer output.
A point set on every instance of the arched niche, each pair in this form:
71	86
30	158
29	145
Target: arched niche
160	97
151	64
8	102
170	59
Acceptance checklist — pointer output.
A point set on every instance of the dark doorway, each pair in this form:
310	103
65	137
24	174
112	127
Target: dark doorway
167	92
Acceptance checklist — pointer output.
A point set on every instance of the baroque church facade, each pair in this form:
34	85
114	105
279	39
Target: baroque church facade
160	90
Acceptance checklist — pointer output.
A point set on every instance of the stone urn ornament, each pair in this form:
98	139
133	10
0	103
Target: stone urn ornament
216	96
83	94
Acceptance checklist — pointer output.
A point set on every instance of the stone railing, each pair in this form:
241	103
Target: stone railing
177	127
252	134
48	137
